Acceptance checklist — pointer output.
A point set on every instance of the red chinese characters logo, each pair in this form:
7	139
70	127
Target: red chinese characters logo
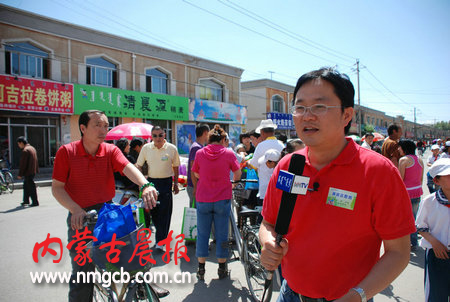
35	95
142	248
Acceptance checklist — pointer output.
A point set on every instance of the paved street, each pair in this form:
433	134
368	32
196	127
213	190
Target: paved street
23	227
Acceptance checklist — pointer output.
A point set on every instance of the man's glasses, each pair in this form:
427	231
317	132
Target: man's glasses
158	135
317	109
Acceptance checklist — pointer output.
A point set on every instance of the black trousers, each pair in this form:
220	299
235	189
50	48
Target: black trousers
162	214
29	190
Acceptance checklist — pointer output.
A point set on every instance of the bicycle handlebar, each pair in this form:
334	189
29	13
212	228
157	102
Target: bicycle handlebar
244	180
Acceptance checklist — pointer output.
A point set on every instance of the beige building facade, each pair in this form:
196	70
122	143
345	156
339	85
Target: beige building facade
49	51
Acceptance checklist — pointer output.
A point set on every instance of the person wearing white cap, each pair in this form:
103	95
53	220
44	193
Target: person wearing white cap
431	159
266	165
267	130
445	150
433	223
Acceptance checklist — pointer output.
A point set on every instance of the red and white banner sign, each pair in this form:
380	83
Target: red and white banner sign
24	94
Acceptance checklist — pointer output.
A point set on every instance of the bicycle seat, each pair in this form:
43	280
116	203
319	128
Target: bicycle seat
246	212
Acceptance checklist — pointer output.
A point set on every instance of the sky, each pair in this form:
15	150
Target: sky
403	47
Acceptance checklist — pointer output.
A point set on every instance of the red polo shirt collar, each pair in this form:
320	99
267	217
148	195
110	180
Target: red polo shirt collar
345	157
101	152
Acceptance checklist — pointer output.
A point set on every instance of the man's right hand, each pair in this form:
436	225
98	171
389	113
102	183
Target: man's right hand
77	219
271	252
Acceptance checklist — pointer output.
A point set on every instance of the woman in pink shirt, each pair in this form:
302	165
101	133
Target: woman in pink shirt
212	166
411	170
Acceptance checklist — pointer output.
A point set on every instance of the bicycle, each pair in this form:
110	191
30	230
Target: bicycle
6	178
132	291
245	229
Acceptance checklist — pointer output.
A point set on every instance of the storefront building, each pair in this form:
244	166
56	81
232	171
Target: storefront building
268	99
129	80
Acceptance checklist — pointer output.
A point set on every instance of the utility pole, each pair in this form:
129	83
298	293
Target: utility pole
359	101
271	72
415	129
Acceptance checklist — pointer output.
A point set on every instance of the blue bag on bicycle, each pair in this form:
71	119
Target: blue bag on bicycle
113	219
252	175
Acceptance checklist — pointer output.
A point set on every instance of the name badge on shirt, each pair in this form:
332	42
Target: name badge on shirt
341	198
165	158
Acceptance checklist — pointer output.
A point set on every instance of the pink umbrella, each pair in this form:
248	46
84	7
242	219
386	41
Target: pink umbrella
130	130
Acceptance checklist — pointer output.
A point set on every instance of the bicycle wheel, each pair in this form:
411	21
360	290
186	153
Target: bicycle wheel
254	271
102	294
9	182
142	292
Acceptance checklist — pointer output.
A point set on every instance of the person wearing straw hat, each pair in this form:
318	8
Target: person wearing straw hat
268	141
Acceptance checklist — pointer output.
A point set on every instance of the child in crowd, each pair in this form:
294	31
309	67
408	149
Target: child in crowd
266	165
433	223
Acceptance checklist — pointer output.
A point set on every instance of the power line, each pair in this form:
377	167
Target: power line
257	32
287	32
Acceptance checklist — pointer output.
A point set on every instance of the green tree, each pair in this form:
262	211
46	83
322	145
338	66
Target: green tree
368	128
442	125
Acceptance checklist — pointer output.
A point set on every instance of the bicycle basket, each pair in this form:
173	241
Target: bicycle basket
241	193
99	256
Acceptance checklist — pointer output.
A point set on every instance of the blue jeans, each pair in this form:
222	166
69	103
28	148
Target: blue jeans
415	207
207	212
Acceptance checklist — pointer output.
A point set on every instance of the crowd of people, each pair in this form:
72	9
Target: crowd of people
356	200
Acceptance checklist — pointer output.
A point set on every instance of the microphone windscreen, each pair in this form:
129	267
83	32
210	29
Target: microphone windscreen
287	204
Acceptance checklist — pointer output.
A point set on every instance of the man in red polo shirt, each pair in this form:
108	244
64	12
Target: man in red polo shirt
355	202
83	179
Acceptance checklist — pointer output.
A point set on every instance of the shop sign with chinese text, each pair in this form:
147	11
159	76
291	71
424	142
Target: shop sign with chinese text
282	120
126	103
216	112
26	94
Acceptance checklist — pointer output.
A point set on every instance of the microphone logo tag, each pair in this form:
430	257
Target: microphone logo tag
292	183
285	180
300	185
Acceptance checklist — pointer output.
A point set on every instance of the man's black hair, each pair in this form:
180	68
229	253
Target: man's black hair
243	135
200	129
253	133
122	143
136	141
408	146
392	128
343	87
85	117
22	139
156	128
369	134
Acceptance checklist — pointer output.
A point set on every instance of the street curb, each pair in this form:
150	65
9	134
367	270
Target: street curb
39	183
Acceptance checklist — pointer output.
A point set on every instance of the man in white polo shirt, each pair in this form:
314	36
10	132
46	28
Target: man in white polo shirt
268	141
163	162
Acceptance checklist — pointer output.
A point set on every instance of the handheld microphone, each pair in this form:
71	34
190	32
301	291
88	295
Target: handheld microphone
292	184
289	197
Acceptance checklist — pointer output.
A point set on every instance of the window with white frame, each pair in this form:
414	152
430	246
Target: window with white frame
25	59
156	81
277	103
101	72
211	90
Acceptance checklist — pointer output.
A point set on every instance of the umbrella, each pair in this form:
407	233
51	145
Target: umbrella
377	136
130	130
356	138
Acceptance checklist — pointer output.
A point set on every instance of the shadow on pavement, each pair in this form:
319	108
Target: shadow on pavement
216	286
389	292
18	208
418	257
